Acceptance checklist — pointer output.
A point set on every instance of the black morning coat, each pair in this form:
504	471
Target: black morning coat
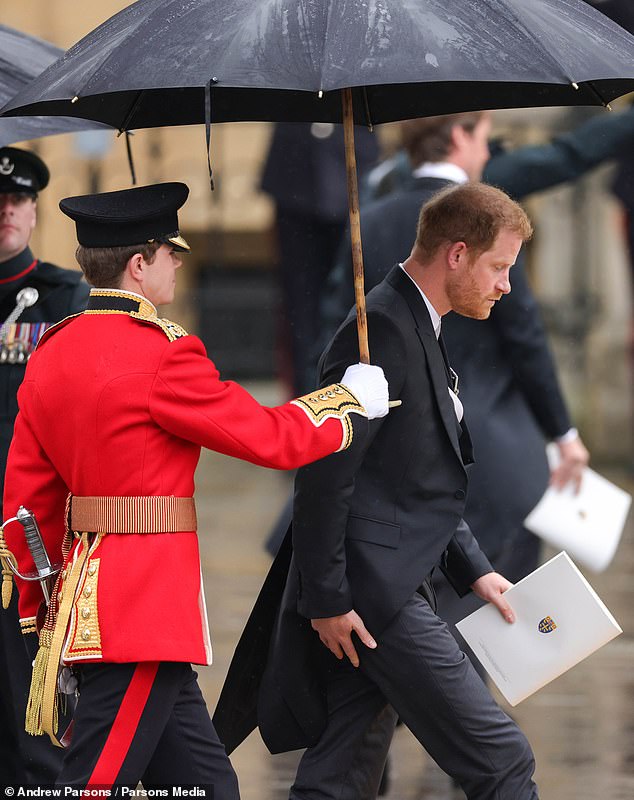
369	526
508	380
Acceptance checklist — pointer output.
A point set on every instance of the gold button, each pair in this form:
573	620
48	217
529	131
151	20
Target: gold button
63	574
60	597
92	569
88	591
85	612
85	634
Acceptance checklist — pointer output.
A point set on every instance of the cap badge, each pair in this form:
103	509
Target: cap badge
6	166
547	625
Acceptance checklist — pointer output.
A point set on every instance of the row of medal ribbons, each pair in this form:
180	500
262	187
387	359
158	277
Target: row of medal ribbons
19	340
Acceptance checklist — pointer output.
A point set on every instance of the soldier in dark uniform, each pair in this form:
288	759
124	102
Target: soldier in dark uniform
33	295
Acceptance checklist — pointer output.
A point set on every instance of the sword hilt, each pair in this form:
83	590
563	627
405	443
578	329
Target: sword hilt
35	543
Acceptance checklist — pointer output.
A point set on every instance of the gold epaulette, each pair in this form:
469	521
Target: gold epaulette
171	329
331	401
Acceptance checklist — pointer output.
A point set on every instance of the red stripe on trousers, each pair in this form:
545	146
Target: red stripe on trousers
125	725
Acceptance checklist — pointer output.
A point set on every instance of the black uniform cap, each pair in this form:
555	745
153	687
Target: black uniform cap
128	217
21	171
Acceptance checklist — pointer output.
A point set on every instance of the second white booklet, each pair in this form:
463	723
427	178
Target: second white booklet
560	620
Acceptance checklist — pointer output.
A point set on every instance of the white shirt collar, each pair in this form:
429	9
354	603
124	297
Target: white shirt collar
434	315
441	169
436	321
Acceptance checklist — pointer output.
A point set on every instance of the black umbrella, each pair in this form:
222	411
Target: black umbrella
22	58
173	62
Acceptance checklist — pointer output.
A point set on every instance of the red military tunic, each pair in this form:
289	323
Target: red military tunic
119	403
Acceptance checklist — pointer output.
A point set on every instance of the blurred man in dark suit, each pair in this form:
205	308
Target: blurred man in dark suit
305	174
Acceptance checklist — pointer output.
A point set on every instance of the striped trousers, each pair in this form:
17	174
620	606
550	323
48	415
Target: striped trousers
147	723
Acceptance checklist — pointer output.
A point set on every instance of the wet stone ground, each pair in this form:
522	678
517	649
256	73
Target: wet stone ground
581	726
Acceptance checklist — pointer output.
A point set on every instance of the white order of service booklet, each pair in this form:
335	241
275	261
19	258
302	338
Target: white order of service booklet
560	620
587	525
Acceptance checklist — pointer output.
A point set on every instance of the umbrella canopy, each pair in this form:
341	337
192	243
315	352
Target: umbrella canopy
285	60
22	58
178	62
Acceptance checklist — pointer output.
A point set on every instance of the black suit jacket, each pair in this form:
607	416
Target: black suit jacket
369	524
508	380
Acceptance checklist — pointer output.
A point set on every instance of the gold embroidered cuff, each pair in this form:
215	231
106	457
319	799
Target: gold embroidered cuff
348	432
27	625
332	401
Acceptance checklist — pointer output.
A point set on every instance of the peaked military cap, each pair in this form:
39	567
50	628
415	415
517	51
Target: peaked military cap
21	171
129	216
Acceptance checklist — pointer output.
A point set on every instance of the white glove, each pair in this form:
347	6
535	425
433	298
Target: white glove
367	383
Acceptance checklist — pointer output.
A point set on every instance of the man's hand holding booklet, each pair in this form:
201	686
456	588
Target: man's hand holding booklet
586	524
559	621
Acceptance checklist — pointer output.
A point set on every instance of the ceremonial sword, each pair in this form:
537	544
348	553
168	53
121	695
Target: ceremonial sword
35	543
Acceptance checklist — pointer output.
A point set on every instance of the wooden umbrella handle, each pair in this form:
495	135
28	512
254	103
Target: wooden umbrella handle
355	225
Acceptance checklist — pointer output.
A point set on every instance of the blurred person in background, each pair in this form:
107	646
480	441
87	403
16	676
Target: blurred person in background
52	293
622	12
305	174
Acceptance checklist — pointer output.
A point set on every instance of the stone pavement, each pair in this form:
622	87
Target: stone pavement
581	726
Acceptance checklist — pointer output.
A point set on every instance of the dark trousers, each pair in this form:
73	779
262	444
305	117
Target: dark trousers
419	673
24	759
307	247
145	722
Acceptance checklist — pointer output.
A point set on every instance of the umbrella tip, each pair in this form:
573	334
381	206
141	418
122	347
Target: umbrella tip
75	99
575	86
320	93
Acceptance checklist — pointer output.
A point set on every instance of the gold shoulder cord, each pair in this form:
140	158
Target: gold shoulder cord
7	557
41	709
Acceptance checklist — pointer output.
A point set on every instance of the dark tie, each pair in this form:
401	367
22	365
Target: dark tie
452	377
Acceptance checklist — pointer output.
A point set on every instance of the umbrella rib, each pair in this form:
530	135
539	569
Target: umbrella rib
133	107
326	39
112	53
595	91
366	107
519	23
306	27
